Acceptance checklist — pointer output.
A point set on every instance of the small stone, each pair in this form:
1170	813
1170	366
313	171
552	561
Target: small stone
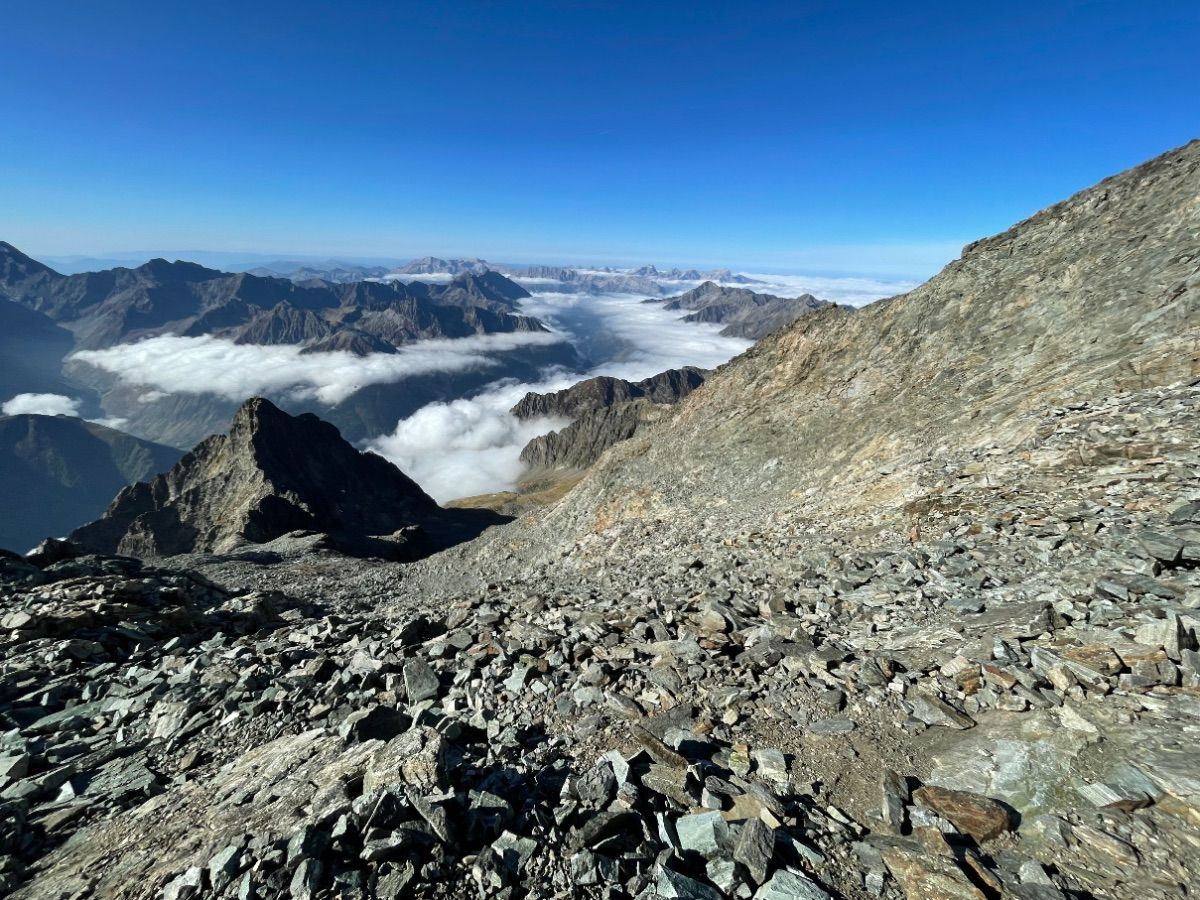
514	851
306	879
772	765
224	867
923	876
935	711
755	848
894	797
739	760
1165	548
703	833
670	884
420	681
722	873
832	700
187	885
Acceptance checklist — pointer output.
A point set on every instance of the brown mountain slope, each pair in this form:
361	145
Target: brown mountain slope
850	410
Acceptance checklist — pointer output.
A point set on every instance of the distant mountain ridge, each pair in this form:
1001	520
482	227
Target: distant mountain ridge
118	305
333	272
744	313
646	279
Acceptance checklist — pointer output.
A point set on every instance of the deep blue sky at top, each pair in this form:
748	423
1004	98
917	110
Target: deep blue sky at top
843	136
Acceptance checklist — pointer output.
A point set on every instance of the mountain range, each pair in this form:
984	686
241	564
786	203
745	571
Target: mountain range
49	316
744	313
121	305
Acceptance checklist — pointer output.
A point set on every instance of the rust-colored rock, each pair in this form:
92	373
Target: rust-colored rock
973	814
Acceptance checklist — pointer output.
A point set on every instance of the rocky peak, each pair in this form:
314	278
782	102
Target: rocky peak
604	390
179	271
273	473
605	410
16	267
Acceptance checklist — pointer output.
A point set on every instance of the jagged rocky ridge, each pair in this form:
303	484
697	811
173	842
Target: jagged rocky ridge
161	297
901	604
271	475
59	471
604	410
744	313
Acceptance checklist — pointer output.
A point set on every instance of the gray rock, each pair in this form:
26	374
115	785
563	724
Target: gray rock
420	681
791	886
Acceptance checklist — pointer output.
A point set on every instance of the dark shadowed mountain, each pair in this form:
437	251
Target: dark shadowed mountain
32	350
272	474
744	313
59	472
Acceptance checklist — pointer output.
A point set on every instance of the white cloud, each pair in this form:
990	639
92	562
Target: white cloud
628	338
468	446
210	365
41	405
114	422
848	291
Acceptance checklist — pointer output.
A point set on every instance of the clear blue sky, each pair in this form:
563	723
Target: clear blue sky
840	136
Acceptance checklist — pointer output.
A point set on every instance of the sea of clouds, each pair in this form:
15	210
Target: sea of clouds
174	364
469	445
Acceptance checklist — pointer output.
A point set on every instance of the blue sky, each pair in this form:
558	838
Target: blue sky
849	137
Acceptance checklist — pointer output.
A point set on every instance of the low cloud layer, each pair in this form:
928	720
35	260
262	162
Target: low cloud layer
472	446
847	291
41	405
623	336
210	365
468	446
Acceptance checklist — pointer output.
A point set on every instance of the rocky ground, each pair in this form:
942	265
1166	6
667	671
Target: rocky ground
900	603
1000	701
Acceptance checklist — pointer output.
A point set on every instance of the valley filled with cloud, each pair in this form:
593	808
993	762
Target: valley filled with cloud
464	445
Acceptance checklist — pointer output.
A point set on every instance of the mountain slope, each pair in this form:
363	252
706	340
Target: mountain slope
32	350
272	474
1096	294
59	472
